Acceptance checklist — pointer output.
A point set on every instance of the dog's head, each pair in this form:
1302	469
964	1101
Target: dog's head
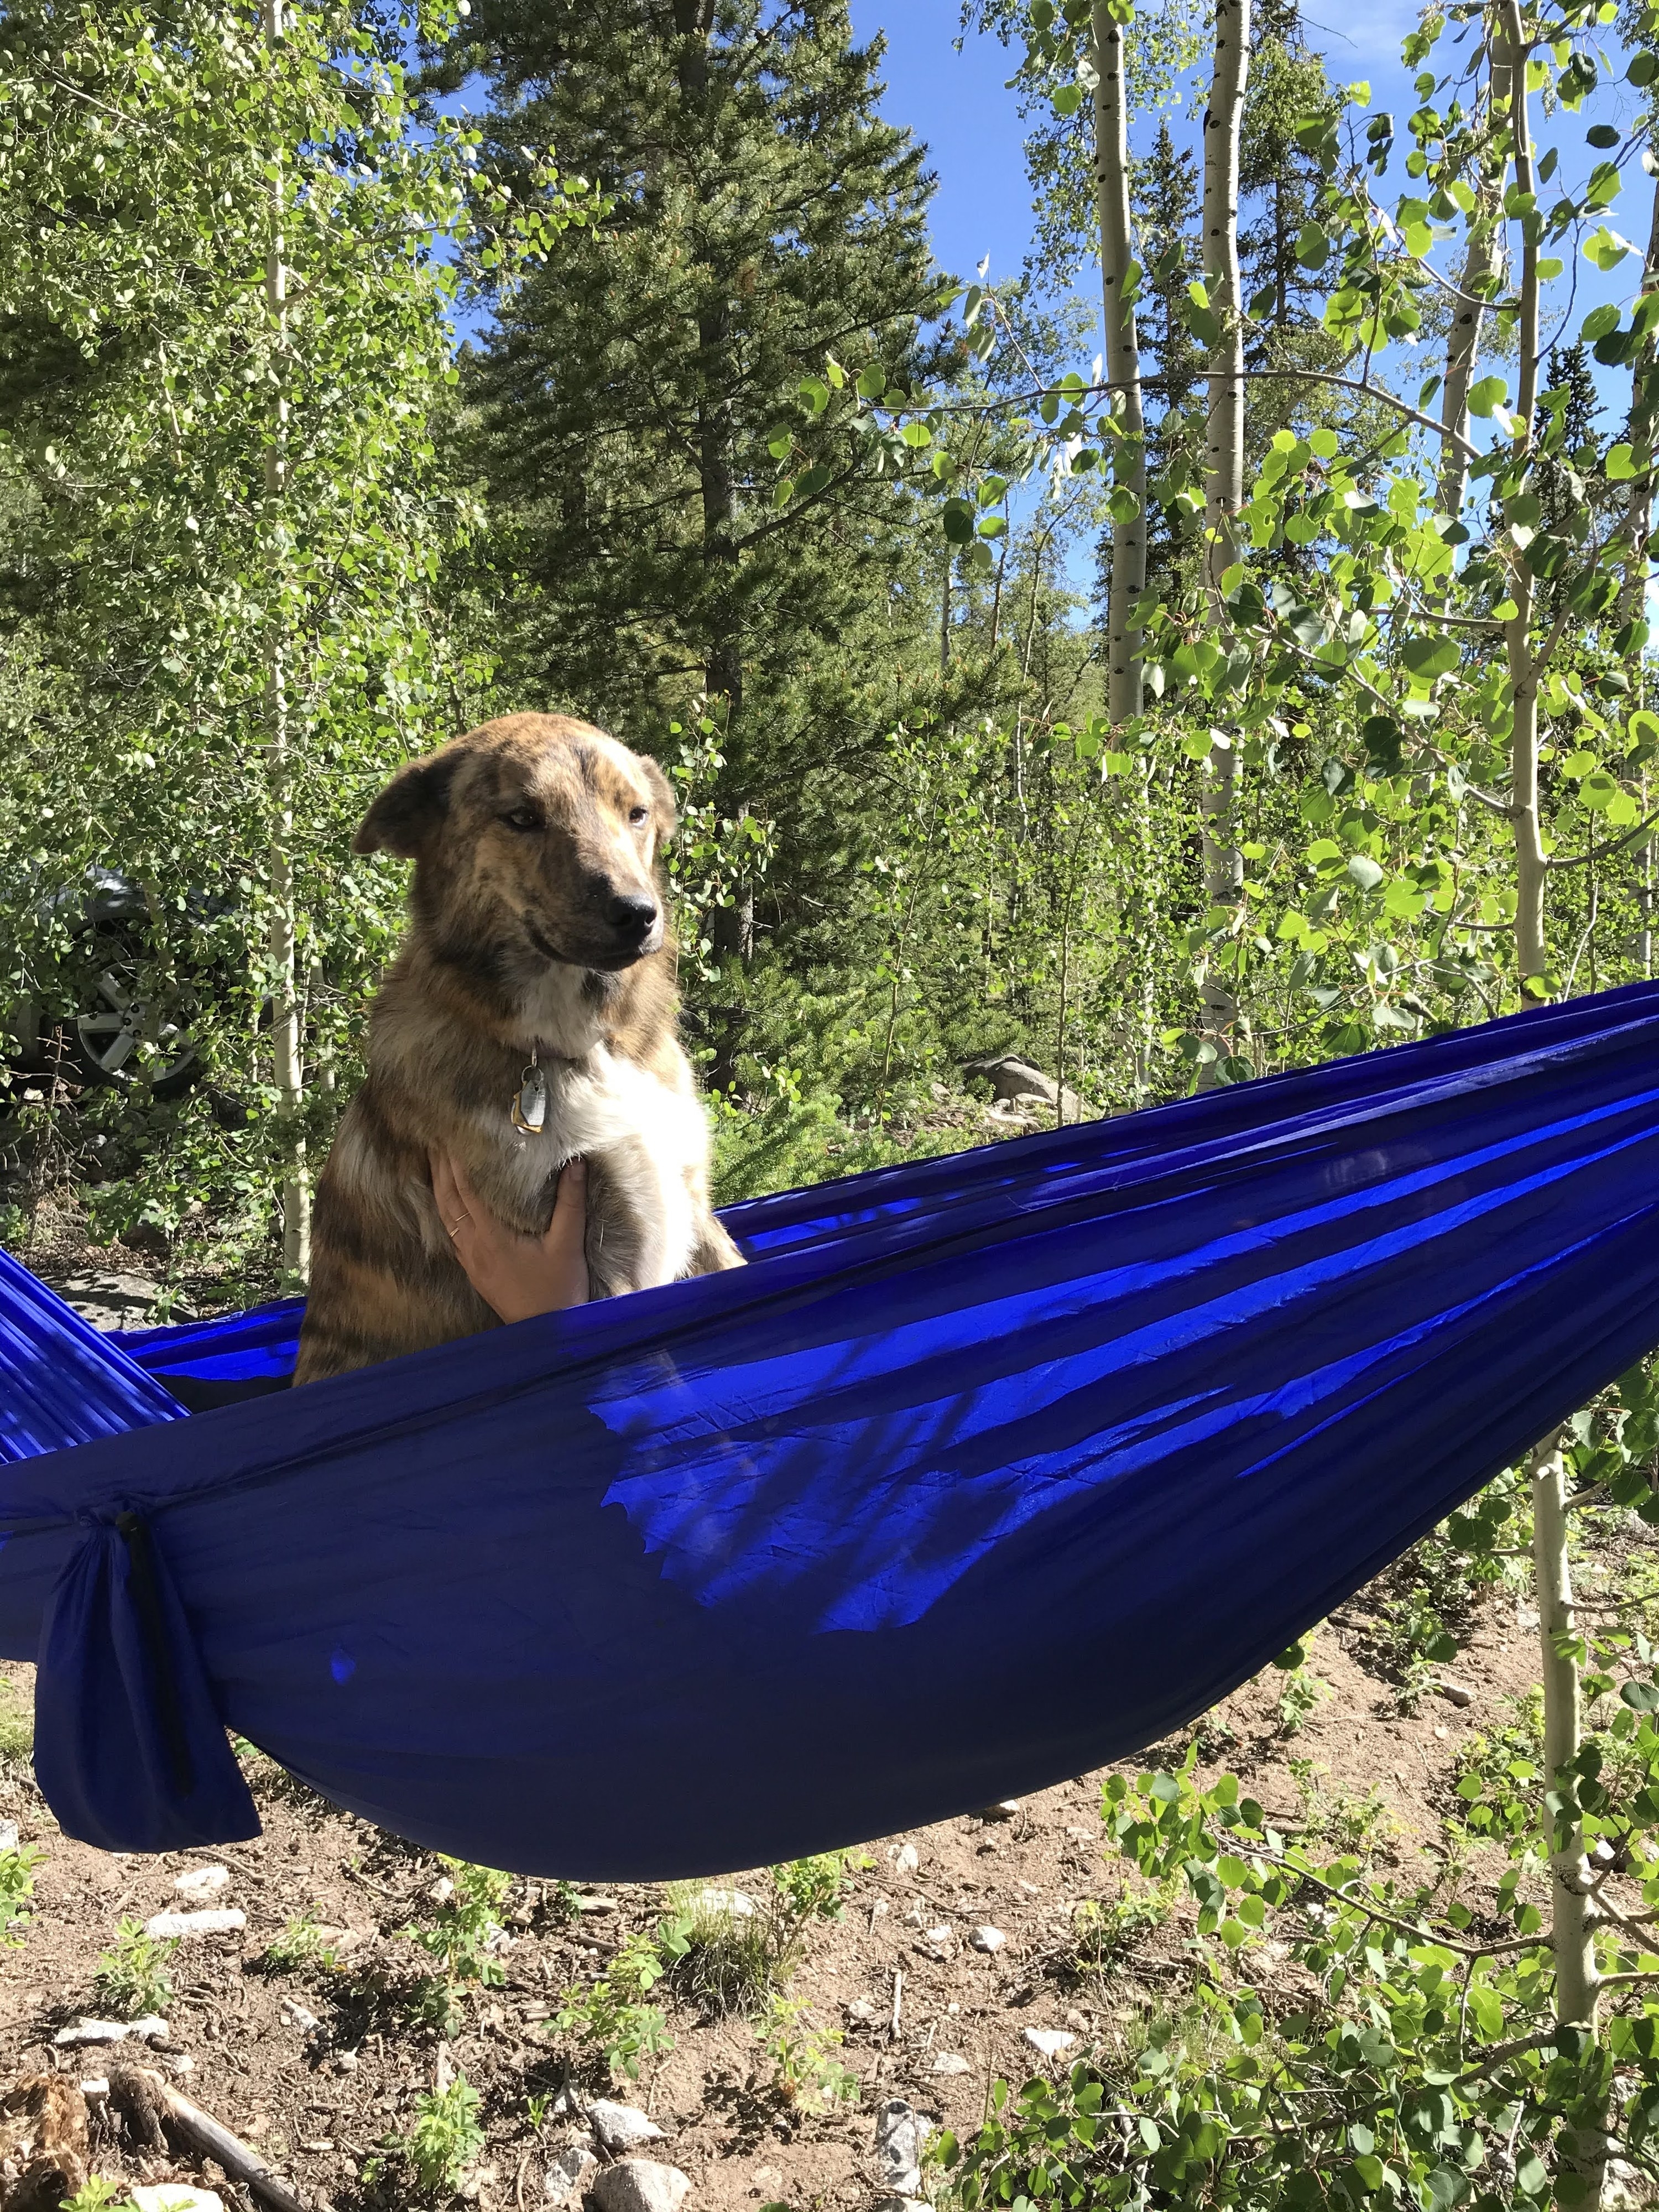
535	840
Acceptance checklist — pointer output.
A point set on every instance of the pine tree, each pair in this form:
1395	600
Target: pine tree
1166	206
1288	85
649	412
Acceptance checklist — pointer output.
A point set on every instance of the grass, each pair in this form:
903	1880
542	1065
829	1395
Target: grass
301	1943
16	1724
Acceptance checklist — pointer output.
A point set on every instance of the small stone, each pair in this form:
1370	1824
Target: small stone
225	1920
110	2031
901	2134
175	2197
622	2127
942	1933
594	1904
1006	1808
1440	1733
200	1879
731	1904
1455	1693
640	2184
306	2022
1049	2042
987	1938
343	2062
863	2009
907	1858
570	2176
948	2062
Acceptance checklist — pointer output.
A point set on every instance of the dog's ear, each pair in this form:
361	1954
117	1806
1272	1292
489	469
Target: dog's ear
662	800
411	807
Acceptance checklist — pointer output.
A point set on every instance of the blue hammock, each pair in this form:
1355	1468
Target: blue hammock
985	1471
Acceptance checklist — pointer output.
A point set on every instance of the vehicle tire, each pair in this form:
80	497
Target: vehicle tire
26	1037
104	1037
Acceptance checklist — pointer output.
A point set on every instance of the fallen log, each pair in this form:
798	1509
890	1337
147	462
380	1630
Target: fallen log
142	2089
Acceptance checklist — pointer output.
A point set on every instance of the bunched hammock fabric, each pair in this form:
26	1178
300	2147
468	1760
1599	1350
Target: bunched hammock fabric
985	1471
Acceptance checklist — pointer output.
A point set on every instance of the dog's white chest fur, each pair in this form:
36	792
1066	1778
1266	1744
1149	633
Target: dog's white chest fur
653	1141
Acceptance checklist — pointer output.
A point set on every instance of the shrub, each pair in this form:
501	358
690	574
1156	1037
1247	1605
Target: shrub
130	1978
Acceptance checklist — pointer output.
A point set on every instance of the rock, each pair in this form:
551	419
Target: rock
865	2010
622	2127
901	2133
1011	1079
343	2062
987	1938
1455	1693
222	1920
594	1904
570	2176
948	2062
306	2022
943	1934
110	1298
198	1881
905	1859
734	1904
1005	1808
175	2197
1049	2042
640	2184
110	2031
45	2150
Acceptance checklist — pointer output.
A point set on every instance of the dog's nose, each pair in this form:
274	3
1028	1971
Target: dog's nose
632	915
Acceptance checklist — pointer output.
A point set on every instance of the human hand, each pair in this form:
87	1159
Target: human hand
516	1276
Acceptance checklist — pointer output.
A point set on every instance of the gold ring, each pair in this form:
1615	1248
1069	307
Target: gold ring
459	1225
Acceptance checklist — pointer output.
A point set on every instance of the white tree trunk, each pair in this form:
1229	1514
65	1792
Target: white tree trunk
1644	417
282	942
1530	872
1122	359
1224	470
1482	261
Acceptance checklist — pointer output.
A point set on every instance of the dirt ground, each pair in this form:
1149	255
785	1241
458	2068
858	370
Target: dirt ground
925	2015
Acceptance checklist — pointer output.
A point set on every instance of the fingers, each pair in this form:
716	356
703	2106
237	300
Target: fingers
470	1198
565	1242
453	1207
570	1200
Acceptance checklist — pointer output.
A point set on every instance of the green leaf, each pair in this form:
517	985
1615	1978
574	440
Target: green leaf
1068	99
1364	872
1620	465
1606	248
1489	392
1428	657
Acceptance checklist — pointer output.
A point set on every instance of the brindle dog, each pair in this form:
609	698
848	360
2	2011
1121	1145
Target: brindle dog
537	930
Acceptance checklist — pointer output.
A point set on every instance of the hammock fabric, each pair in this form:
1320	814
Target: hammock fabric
985	1471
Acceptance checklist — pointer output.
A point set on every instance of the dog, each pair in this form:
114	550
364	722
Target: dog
530	1015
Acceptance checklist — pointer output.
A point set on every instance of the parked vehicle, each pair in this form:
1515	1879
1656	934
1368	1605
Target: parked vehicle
105	1010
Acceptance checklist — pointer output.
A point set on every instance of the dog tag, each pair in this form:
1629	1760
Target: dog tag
530	1104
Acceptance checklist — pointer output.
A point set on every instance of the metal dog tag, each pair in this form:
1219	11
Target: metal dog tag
530	1104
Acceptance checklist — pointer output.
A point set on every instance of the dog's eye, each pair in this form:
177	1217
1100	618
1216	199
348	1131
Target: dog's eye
523	818
638	813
